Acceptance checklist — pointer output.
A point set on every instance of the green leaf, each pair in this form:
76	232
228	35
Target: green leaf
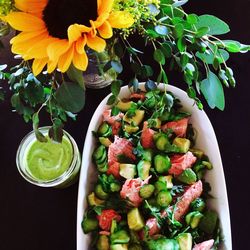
212	90
232	46
56	131
161	30
192	19
75	75
216	25
151	33
34	93
146	71
179	30
166	49
209	58
159	57
164	77
111	100
115	87
117	66
71	97
202	31
181	45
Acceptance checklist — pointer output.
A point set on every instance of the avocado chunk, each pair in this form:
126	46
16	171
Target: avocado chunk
193	219
130	129
182	143
119	247
188	176
128	171
105	141
184	241
93	200
135	220
125	106
136	119
197	152
143	168
102	243
120	237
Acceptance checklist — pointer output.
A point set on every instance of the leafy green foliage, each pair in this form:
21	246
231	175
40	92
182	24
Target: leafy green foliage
70	96
216	26
211	88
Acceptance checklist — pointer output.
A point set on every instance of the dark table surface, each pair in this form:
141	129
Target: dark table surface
33	218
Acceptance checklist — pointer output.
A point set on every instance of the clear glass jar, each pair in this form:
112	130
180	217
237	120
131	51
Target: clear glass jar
94	76
66	179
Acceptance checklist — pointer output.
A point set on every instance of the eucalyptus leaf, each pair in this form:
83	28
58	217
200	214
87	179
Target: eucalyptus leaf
150	85
56	131
178	3
115	87
161	30
216	25
209	57
71	97
159	57
213	91
3	67
75	75
117	66
111	100
232	46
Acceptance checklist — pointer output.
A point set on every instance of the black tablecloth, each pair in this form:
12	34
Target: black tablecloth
33	218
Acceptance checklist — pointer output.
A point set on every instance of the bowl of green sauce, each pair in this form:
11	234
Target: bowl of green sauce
48	164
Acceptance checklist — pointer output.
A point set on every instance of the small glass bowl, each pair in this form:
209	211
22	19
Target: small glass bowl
68	178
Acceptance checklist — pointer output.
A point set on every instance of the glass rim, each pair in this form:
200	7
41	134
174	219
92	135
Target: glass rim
58	180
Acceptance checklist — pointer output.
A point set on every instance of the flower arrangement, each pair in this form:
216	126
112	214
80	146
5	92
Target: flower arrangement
53	39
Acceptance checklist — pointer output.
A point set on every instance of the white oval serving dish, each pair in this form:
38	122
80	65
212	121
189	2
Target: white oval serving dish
206	140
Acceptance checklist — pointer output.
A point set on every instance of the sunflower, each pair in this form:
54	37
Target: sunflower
56	32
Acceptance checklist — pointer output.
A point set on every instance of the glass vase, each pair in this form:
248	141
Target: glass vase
94	76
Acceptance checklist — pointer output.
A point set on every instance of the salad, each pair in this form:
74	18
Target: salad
150	192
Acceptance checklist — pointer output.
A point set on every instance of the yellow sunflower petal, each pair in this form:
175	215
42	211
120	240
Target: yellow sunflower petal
66	59
105	6
93	31
57	48
31	6
22	47
39	50
101	19
80	61
120	19
26	36
38	65
80	44
105	30
51	66
25	22
74	33
99	2
96	43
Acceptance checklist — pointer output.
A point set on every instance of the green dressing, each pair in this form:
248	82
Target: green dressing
48	161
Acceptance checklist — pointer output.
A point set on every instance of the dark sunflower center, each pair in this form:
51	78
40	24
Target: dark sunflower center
58	15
